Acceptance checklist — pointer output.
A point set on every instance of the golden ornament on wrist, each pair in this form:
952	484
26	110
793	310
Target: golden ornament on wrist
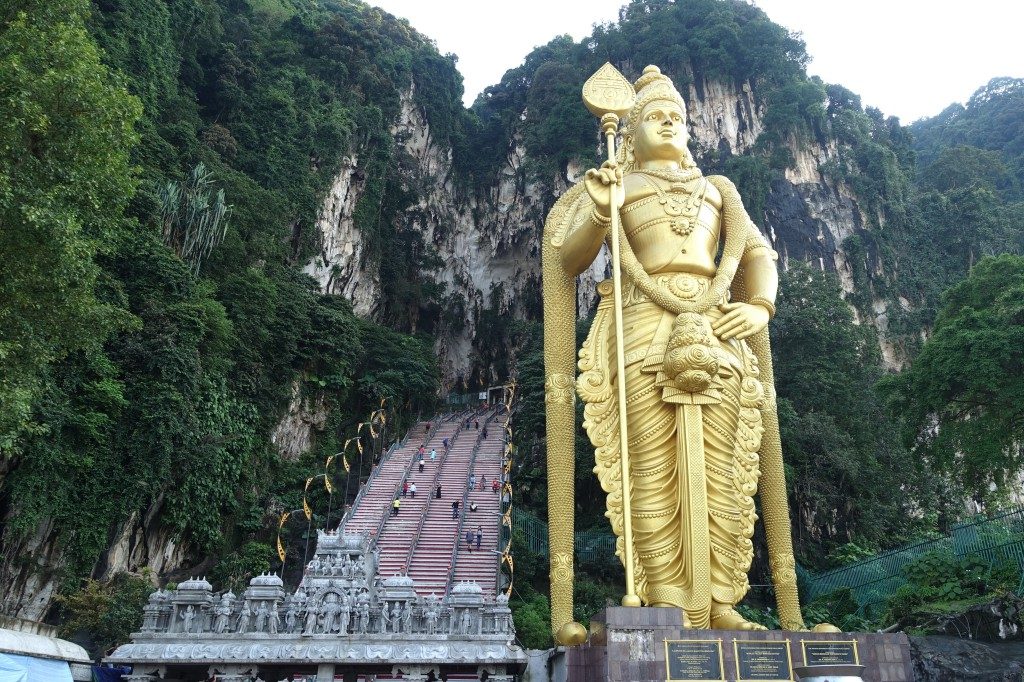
764	303
600	220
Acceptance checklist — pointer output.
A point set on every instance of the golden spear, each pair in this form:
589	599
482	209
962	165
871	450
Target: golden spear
610	96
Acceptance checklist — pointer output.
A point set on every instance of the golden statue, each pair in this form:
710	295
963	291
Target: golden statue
684	321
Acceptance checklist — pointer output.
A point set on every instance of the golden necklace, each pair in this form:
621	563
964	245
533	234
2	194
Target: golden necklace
682	209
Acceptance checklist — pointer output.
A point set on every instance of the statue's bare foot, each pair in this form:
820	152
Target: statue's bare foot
728	618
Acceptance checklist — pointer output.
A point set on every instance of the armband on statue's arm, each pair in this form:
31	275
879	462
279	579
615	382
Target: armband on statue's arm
584	239
760	275
755	243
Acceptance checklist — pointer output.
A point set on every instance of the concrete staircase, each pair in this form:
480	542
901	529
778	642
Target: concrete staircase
432	557
481	565
400	532
422	541
385	484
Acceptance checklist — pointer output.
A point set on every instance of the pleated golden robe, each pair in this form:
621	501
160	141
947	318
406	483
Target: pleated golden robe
693	455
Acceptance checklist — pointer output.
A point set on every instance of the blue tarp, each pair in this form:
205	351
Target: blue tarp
14	668
104	674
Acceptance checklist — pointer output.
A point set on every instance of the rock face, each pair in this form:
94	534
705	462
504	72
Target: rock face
31	580
488	243
490	240
945	659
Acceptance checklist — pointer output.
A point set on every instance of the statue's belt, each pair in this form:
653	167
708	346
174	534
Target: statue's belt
682	285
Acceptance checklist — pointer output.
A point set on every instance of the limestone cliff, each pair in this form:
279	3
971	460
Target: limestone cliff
489	240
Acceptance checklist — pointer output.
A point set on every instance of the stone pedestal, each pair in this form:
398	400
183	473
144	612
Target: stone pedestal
628	644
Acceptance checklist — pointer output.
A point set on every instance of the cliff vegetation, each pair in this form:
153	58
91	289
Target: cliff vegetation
164	165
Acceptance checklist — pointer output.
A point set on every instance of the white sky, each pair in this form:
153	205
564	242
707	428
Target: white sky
909	58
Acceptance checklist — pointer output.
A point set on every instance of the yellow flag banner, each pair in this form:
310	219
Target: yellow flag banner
330	459
280	525
344	461
308	481
306	510
507	558
359	445
373	433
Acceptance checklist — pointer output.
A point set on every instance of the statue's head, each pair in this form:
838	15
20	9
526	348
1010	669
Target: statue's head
656	127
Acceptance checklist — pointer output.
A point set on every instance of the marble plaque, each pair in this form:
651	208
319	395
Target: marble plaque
694	660
840	652
763	661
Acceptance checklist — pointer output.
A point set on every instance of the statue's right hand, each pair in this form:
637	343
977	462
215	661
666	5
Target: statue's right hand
604	185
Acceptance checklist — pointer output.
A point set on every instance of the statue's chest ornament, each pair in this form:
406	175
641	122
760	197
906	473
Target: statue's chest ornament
683	209
681	205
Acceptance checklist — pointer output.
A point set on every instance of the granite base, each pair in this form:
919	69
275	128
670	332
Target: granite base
628	645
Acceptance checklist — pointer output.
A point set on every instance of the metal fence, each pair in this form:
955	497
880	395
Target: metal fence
995	539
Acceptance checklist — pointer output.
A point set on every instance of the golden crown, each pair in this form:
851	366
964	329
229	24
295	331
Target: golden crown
652	86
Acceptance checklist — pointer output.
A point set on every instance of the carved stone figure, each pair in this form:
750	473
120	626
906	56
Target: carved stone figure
289	619
261	618
243	618
396	618
385	618
222	612
363	602
431	614
311	618
467	622
407	617
684	376
274	619
188	617
330	611
344	615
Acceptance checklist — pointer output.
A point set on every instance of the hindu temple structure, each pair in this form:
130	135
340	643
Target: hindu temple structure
344	622
386	597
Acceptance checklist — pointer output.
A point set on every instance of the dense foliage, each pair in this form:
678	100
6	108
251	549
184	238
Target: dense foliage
144	361
694	42
850	478
103	615
65	179
960	401
161	167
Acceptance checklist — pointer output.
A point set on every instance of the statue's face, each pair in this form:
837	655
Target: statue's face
660	134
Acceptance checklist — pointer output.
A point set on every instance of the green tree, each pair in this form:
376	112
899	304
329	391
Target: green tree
65	179
847	472
103	614
960	401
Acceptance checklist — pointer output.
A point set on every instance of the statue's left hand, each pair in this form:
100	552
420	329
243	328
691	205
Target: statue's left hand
741	320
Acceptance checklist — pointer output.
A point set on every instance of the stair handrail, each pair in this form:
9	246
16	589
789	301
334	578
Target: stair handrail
430	500
405	477
397	445
462	515
366	484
